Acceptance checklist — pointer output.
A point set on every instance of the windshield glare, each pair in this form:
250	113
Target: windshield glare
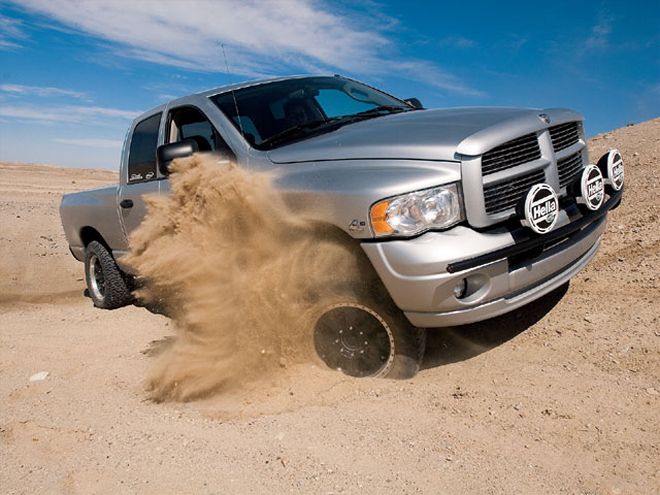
269	109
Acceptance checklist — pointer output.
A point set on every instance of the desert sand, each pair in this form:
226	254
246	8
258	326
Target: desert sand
559	397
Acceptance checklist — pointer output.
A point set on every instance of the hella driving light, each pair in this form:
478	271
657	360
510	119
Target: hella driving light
413	213
611	166
592	188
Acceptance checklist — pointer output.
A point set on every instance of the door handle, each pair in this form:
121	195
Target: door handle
126	203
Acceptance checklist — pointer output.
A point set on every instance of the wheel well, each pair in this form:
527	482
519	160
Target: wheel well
89	234
366	283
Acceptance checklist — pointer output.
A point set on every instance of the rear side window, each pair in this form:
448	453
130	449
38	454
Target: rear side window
142	155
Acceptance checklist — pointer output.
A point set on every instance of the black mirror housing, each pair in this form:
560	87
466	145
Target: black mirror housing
168	152
415	103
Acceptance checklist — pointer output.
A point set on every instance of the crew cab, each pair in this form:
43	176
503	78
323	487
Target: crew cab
464	213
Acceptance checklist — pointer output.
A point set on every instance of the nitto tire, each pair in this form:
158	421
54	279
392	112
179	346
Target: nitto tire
106	283
366	340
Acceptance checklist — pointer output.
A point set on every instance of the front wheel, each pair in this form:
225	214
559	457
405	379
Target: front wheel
106	283
368	340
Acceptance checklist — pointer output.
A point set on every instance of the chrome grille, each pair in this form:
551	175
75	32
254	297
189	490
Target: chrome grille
569	168
510	154
499	179
505	195
564	135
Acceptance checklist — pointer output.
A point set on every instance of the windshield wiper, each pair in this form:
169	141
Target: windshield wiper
299	130
380	110
373	112
327	125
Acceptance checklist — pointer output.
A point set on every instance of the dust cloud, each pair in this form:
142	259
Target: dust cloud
241	276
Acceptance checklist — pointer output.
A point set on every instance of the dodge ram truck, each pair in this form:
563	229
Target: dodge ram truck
464	213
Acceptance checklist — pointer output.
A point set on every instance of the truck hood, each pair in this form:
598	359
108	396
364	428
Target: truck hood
443	134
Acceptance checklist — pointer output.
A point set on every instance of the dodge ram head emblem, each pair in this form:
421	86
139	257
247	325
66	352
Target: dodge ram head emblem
540	209
545	118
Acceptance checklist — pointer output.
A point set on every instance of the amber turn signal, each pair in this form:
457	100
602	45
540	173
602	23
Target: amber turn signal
379	218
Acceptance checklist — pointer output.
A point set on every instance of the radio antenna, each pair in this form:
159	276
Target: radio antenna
233	94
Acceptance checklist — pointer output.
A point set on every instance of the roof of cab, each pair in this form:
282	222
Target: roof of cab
224	89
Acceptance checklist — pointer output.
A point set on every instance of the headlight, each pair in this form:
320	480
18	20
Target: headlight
412	213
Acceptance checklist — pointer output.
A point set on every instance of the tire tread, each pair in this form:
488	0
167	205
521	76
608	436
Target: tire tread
117	291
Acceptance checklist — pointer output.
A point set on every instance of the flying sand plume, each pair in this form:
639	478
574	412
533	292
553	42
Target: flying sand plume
240	275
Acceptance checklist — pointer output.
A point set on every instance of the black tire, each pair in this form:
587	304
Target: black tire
107	285
368	340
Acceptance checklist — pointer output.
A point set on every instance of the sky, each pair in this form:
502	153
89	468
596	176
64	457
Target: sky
73	74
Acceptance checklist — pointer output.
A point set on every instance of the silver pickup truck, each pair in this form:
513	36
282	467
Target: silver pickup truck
464	213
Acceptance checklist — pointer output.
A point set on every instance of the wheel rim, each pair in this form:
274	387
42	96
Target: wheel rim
355	340
96	277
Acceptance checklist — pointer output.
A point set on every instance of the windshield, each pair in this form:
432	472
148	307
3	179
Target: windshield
274	114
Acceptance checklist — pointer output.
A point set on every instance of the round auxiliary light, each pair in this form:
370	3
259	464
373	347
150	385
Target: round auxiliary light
611	166
592	188
540	208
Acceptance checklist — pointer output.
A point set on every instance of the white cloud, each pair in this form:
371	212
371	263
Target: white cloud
457	42
67	114
41	91
433	76
260	37
11	31
91	142
599	37
7	45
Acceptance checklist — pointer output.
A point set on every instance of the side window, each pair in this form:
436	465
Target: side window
142	155
190	123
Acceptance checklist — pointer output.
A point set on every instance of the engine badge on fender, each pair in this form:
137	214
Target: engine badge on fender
592	188
540	209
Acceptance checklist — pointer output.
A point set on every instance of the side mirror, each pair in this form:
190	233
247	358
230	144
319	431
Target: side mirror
415	103
168	152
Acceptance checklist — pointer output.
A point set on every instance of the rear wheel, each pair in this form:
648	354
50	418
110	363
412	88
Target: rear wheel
368	340
106	283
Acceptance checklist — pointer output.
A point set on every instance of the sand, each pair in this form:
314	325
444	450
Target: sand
560	397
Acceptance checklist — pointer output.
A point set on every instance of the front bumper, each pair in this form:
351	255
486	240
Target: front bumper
505	268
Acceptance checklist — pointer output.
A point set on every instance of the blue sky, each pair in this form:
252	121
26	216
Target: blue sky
73	74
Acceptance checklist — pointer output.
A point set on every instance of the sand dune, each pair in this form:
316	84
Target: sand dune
561	397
